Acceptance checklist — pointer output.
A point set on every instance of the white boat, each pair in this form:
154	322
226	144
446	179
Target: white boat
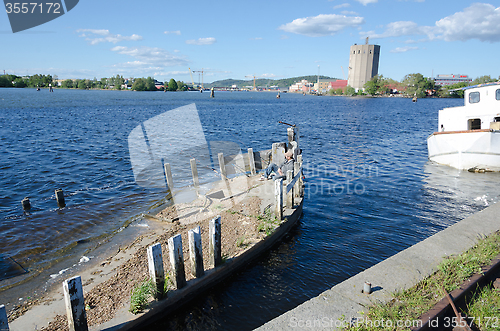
468	136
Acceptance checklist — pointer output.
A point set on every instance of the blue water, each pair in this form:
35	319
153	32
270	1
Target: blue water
370	190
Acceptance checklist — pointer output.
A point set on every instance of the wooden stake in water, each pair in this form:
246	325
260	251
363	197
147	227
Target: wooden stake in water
156	272
168	174
26	204
4	322
215	245
60	198
194	171
278	198
177	261
75	304
251	162
296	190
196	252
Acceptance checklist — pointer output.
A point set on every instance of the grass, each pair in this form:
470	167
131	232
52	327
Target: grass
143	292
408	305
267	223
241	242
485	307
141	295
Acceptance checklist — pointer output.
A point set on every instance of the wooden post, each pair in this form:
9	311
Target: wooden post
75	304
177	261
4	322
296	135
60	198
251	162
215	245
296	189
293	135
194	171
222	166
196	252
168	173
290	132
26	205
278	198
301	181
289	196
156	272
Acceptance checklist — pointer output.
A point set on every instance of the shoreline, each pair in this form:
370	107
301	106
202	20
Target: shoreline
346	302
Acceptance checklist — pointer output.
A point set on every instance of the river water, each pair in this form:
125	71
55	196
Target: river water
370	190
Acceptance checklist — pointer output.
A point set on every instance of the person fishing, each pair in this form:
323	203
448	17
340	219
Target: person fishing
279	171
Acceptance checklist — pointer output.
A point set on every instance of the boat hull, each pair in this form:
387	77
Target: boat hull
478	149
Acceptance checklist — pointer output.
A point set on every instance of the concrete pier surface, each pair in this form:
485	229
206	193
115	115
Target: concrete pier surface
194	204
345	301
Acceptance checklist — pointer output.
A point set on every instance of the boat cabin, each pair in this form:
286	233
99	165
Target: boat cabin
481	110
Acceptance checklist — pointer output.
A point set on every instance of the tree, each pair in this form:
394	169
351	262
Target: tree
19	83
372	86
82	85
139	85
172	85
350	90
483	80
417	85
119	82
67	83
150	84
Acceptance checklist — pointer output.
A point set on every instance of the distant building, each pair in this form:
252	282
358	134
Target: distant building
325	85
444	80
363	64
302	86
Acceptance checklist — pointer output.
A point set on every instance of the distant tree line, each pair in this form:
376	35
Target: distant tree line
417	85
27	81
117	82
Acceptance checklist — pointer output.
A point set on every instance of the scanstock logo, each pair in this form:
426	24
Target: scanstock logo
26	15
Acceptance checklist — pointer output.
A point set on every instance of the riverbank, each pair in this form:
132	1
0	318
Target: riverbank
243	204
346	303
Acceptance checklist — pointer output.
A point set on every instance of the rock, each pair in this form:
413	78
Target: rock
496	284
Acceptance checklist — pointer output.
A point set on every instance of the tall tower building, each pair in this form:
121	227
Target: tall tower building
363	64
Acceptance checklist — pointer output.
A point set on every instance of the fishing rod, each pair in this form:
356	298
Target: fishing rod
292	125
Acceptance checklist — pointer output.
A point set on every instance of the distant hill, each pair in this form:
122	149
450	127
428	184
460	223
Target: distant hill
264	82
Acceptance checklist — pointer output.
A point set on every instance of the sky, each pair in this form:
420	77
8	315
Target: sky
265	39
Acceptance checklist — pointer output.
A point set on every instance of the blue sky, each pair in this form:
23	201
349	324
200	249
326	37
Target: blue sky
274	39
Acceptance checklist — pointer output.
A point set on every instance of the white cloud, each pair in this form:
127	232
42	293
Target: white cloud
342	5
256	38
479	21
365	2
398	29
201	41
149	57
403	49
321	25
177	32
92	35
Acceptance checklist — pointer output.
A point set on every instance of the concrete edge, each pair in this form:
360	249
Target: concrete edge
178	298
400	271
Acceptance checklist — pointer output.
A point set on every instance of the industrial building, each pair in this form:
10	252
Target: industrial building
444	80
363	64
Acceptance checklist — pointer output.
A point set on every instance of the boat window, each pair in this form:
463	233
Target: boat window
474	124
497	119
474	97
497	94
